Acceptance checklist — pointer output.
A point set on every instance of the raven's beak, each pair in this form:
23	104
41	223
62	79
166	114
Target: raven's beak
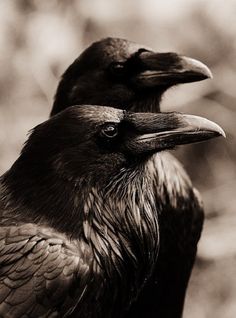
156	132
167	69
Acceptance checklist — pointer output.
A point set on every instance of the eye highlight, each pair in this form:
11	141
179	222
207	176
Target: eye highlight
109	131
117	68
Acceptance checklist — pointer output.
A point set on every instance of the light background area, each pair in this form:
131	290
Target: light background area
39	39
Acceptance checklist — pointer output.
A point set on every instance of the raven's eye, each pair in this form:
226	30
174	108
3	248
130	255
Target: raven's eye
140	51
110	130
117	68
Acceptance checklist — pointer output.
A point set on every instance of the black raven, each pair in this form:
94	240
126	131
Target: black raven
118	72
121	73
79	222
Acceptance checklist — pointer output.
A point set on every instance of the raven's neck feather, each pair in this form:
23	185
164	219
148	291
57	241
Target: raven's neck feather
145	104
44	196
169	179
118	221
77	207
141	103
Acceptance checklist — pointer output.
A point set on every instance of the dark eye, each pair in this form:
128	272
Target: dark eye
110	130
140	51
118	68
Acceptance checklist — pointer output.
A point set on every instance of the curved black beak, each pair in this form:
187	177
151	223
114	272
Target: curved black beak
167	69
160	131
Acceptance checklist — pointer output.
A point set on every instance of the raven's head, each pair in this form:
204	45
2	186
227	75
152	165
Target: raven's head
92	147
119	72
97	140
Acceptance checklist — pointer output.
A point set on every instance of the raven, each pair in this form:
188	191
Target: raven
120	73
79	222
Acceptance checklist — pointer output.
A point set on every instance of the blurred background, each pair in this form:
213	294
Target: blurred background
39	39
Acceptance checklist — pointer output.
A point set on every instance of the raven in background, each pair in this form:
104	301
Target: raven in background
121	73
79	228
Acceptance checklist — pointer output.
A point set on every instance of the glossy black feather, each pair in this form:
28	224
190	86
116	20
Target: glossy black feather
88	80
78	237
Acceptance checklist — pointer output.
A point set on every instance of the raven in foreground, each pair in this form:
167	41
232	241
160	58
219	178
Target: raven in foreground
121	73
79	225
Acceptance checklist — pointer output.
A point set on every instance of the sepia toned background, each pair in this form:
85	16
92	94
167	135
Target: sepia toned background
39	39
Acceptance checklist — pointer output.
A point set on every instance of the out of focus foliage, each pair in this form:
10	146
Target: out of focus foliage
39	39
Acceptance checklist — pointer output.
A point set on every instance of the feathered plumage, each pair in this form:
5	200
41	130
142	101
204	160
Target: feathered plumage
79	231
121	73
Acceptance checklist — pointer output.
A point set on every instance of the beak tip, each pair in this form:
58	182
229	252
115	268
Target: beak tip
217	129
222	133
199	123
207	72
201	71
210	74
